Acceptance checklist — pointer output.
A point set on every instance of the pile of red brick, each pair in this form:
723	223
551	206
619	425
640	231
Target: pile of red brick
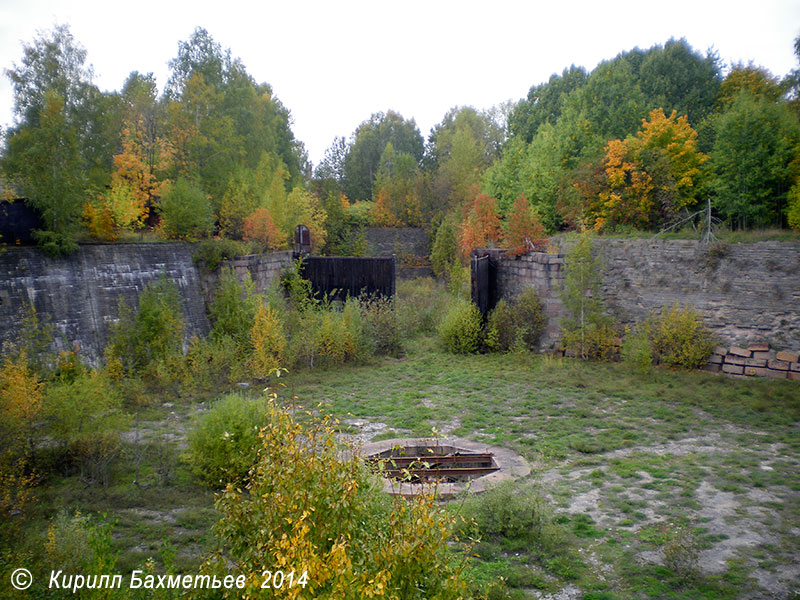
756	360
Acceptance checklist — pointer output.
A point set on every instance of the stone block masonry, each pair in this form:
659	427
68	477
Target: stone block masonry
744	362
545	273
745	293
264	270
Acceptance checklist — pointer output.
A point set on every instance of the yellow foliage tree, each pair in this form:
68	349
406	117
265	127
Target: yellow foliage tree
627	200
134	181
268	341
314	511
650	177
99	220
381	213
20	398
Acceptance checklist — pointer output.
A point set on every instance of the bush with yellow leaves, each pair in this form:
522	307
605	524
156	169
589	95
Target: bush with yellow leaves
268	341
308	508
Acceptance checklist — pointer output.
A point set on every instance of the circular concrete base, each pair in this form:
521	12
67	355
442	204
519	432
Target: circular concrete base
510	466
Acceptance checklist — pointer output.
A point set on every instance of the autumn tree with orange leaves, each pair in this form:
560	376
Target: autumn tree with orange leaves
524	229
481	225
260	228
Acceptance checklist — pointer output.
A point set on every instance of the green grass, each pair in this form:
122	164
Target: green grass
634	447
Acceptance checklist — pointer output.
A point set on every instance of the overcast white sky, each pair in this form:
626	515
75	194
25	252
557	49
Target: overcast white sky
334	63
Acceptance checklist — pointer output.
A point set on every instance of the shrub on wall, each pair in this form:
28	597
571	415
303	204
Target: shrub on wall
500	328
675	336
517	324
210	253
529	317
153	333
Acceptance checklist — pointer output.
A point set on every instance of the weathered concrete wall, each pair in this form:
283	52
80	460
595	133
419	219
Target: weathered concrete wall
80	294
398	241
744	292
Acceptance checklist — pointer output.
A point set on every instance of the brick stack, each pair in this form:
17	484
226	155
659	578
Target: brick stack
757	360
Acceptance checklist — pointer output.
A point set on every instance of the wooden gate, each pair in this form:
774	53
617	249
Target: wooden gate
341	276
483	278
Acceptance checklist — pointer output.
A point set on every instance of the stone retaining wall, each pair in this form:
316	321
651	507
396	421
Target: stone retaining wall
745	293
399	241
80	294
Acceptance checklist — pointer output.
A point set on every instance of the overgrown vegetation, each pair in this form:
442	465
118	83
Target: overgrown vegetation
638	143
326	517
517	325
114	446
675	337
223	441
588	331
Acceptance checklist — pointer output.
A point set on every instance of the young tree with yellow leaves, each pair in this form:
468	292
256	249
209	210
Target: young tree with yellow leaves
21	395
268	341
316	513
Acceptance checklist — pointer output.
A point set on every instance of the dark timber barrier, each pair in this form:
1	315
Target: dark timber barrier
483	272
341	276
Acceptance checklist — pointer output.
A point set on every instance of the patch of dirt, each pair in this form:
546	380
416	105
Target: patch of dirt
704	443
368	430
722	510
167	517
570	592
743	525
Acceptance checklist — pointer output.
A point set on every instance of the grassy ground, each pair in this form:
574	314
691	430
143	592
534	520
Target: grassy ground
670	485
645	473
